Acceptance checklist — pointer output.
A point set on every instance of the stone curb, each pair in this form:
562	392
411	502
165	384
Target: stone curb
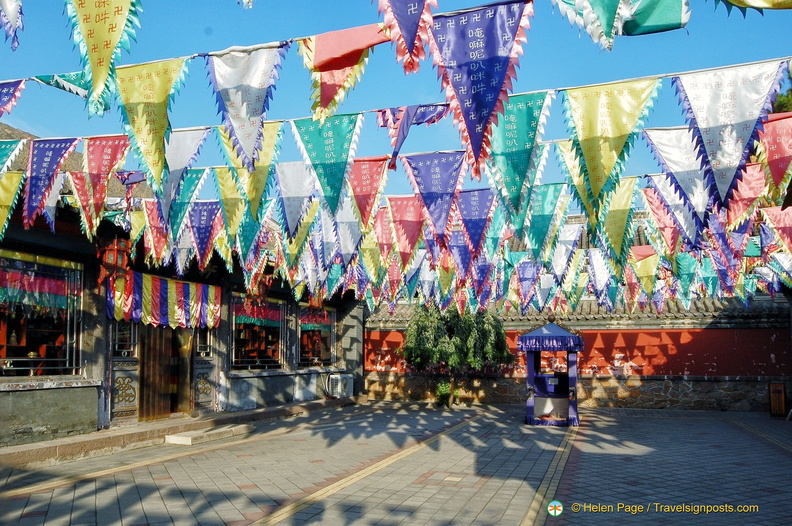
144	434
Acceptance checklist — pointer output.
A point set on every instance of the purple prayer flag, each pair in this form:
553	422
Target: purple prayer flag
46	158
457	245
408	16
528	275
475	207
436	177
399	120
202	218
9	93
432	248
128	178
476	50
482	269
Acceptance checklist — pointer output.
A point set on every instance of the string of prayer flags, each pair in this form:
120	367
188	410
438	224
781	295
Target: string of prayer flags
476	53
746	196
9	94
9	150
336	60
100	31
408	24
329	148
399	120
408	222
243	80
367	178
11	20
725	108
602	122
46	159
436	178
103	156
517	155
144	90
10	186
475	209
775	151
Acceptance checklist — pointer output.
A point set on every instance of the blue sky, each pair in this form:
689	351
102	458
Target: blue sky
557	55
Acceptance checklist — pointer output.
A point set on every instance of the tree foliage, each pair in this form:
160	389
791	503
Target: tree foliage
453	341
783	102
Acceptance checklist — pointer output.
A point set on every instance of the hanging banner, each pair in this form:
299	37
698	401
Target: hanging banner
603	121
297	186
9	94
9	150
243	80
143	298
724	108
181	150
10	185
367	178
11	20
46	159
337	60
329	148
144	90
746	196
408	24
103	156
100	31
517	155
436	178
476	52
407	215
475	208
775	151
399	120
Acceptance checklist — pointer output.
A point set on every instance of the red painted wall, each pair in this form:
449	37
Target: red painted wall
693	352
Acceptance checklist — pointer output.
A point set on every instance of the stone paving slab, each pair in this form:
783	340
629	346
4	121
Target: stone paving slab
392	463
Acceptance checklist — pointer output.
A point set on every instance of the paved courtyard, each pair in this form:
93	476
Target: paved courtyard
414	464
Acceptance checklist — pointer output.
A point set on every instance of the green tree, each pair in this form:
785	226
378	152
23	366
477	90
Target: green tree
454	342
783	101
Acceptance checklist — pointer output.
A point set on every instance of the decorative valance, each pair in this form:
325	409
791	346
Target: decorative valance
41	284
258	312
163	302
550	337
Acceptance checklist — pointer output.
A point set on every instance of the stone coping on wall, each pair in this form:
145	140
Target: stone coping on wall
633	377
46	382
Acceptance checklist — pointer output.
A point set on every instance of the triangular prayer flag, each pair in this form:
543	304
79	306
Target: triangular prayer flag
336	60
517	155
399	120
231	200
100	31
77	83
407	224
349	230
11	20
243	80
460	252
155	233
10	185
546	205
746	196
664	217
9	150
144	90
408	24
475	211
570	165
476	53
615	228
601	19
254	183
185	193
602	121
724	109
9	94
775	151
367	178
46	159
329	147
297	185
103	156
655	16
436	178
780	222
564	249
181	150
202	220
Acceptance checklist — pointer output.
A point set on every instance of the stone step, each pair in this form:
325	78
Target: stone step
192	438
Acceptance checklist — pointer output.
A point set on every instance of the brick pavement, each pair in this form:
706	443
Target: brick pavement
389	463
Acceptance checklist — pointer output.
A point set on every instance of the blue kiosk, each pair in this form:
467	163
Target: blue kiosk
551	358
